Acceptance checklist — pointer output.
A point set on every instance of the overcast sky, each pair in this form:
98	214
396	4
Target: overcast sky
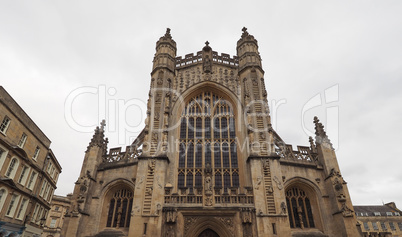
70	63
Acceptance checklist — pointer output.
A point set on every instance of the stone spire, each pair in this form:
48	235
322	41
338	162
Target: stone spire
98	139
321	136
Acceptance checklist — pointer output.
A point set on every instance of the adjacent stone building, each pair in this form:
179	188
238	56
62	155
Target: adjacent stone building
208	162
28	171
55	218
380	221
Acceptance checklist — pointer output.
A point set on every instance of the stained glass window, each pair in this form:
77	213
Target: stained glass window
207	136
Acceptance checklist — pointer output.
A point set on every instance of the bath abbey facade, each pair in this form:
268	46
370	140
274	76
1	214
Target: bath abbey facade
208	162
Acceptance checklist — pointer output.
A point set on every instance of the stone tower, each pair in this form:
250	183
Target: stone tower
208	162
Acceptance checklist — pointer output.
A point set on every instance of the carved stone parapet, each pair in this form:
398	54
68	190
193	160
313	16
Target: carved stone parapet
246	214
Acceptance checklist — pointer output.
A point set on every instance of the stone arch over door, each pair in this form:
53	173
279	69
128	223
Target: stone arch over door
209	225
208	233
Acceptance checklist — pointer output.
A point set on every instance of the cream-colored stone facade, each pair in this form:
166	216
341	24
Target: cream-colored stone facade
55	218
28	171
380	221
208	162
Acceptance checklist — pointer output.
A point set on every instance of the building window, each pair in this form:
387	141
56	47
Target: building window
120	206
46	191
36	153
375	226
56	208
400	225
397	214
208	139
39	216
32	180
23	175
3	155
53	223
22	141
377	213
42	189
33	218
392	226
383	226
12	168
4	125
49	167
12	206
299	209
3	196
50	195
366	226
22	209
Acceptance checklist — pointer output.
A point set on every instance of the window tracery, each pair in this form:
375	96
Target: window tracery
207	137
120	206
299	208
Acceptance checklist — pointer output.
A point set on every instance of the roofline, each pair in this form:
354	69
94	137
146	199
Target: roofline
9	97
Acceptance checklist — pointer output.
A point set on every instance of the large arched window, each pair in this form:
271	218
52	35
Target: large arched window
208	139
120	206
299	208
12	168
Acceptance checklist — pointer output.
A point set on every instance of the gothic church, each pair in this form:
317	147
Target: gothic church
208	162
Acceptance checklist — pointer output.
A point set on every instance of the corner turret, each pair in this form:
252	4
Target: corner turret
165	53
247	52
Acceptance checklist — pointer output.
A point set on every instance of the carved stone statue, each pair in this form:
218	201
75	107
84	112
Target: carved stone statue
208	185
207	64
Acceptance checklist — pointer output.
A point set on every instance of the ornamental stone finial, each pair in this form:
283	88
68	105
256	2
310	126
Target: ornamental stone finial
167	34
245	33
321	136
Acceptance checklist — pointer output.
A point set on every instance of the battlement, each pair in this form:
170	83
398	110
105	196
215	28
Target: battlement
191	59
116	154
303	154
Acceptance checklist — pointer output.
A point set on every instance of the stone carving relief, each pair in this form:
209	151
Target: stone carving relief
140	181
246	214
148	191
283	208
341	198
278	183
337	184
208	185
158	183
259	180
196	74
136	210
333	173
171	214
346	211
270	189
208	201
158	208
188	222
207	64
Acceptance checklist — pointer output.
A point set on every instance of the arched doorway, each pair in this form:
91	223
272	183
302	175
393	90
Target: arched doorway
208	233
